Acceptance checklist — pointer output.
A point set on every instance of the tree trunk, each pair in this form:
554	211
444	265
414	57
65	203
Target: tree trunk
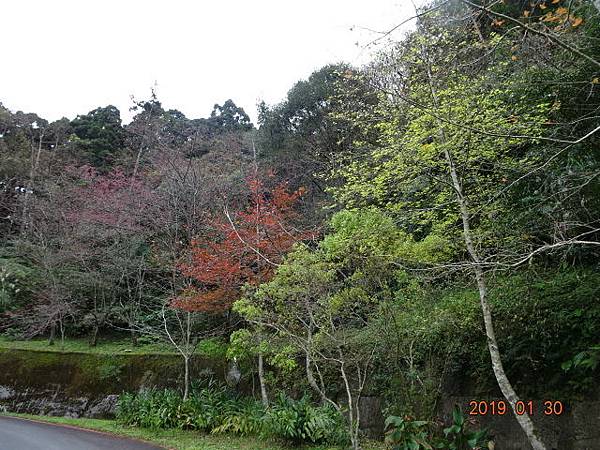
508	391
52	333
186	377
311	377
30	184
261	379
94	336
356	429
503	382
352	413
62	334
134	338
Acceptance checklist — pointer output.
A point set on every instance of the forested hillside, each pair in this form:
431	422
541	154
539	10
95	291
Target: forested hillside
432	217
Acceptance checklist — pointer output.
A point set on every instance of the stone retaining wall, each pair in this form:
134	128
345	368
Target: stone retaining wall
81	384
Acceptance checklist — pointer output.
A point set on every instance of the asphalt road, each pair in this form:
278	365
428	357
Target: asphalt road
19	434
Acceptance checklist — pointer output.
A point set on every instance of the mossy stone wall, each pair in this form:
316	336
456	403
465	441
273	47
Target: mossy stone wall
29	378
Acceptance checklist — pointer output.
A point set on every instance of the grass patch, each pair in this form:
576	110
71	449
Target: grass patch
82	346
183	440
208	348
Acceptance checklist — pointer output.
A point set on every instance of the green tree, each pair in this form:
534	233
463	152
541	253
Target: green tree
324	302
100	136
229	117
303	137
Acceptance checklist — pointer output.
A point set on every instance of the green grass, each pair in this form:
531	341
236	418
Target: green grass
182	440
82	346
104	347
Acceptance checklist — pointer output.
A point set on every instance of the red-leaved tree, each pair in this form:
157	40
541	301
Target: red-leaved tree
243	249
112	218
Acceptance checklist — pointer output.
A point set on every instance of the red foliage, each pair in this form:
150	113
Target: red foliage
243	249
114	200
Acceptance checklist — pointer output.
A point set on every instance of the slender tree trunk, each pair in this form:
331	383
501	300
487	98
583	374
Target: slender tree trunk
62	334
134	337
508	391
30	184
186	377
52	333
261	379
311	379
261	369
309	373
310	376
352	418
94	336
352	409
356	429
503	382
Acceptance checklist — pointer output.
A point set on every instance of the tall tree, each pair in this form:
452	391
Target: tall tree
101	136
229	117
243	250
462	134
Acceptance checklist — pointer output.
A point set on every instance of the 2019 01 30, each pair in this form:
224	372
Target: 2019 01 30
501	407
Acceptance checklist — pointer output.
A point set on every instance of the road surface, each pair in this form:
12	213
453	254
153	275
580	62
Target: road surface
19	434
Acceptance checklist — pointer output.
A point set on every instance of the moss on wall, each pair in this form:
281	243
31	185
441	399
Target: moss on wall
94	375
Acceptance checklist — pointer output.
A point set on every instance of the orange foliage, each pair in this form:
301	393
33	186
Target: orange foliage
244	248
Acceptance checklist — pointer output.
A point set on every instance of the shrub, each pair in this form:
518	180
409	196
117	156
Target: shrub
406	434
242	417
210	406
149	409
458	436
300	421
216	410
403	433
543	319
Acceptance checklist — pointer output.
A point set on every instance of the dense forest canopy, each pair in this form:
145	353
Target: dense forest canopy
433	215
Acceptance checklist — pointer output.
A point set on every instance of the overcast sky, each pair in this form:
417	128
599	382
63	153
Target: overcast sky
63	58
